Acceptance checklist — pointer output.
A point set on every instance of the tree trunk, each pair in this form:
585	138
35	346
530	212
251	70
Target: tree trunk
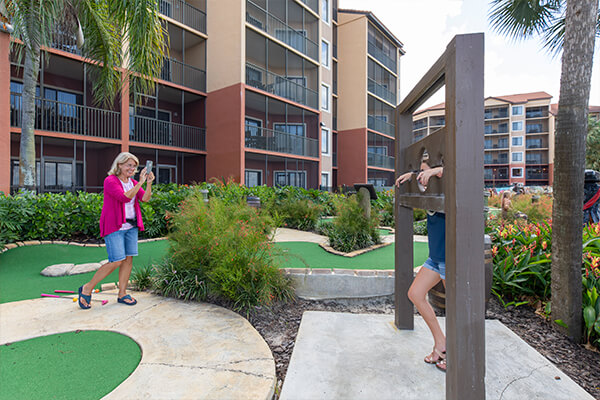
27	178
569	163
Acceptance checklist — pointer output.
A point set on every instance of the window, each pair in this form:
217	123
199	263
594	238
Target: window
324	180
517	110
253	127
324	97
383	150
325	53
377	181
517	126
518	156
517	141
294	38
325	10
516	172
253	177
325	141
290	178
294	143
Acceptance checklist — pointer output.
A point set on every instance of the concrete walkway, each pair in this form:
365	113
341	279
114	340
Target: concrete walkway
293	235
189	350
364	356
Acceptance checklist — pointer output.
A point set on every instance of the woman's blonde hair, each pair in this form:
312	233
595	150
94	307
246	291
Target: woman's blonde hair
122	158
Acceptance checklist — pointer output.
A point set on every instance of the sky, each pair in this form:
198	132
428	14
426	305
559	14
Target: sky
425	27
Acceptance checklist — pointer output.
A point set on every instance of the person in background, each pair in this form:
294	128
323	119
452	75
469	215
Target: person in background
433	270
120	221
505	203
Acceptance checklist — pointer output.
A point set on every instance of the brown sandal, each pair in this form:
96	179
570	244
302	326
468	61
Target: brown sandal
441	365
439	356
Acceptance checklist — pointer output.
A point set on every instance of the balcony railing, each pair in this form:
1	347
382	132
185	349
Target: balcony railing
312	4
536	175
183	74
536	114
334	159
260	18
495	160
382	57
185	13
493	131
280	86
281	142
55	116
496	146
381	91
536	160
379	125
495	114
154	131
379	160
536	129
65	41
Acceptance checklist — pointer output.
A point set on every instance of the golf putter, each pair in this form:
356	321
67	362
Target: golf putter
74	299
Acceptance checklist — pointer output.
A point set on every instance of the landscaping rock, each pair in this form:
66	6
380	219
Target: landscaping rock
57	270
84	268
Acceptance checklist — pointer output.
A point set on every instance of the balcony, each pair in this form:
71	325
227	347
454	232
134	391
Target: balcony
381	91
383	58
55	116
380	125
185	13
499	130
379	160
65	41
496	114
536	175
312	4
334	159
535	128
261	19
183	74
536	113
495	161
496	146
536	160
154	131
280	86
280	142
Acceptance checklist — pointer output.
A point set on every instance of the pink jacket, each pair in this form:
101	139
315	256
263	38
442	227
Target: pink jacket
113	209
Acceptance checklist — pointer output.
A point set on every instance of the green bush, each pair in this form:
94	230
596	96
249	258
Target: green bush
351	230
221	250
298	213
420	227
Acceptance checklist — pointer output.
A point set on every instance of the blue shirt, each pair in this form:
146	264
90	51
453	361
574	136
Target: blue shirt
436	236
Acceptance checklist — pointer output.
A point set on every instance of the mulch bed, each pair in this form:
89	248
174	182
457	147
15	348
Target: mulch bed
279	327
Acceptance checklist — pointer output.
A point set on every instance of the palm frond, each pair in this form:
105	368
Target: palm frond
555	36
520	19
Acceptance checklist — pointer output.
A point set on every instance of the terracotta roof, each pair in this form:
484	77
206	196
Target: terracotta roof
554	109
523	97
440	106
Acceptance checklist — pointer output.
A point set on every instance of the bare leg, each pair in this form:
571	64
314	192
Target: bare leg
102	273
425	280
124	274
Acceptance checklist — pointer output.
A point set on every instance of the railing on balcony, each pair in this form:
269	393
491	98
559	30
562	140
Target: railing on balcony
535	160
381	91
55	116
379	160
312	4
153	131
334	159
490	130
536	113
335	51
185	13
280	86
496	146
334	119
380	125
260	18
501	160
281	142
65	41
536	175
382	57
495	114
183	74
535	128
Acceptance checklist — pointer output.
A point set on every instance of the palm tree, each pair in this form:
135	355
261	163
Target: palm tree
117	37
570	26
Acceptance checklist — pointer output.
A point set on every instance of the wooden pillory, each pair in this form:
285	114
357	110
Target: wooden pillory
459	148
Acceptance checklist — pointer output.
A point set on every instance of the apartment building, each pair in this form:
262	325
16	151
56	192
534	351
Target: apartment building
368	75
265	92
519	137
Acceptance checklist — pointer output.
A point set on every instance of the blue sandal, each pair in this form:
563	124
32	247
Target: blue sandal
133	302
86	297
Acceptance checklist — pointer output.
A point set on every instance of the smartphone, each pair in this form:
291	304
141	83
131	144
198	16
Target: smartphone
148	166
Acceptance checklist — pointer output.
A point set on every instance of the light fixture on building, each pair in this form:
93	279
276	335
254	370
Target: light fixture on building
322	123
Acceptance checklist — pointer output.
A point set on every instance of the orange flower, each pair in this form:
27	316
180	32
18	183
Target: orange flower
544	245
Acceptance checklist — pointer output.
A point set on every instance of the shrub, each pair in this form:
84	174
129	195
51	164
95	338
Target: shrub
420	227
351	230
221	251
536	212
298	213
591	284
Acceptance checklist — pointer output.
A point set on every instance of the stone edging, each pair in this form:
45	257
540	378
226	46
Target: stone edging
14	245
386	273
354	253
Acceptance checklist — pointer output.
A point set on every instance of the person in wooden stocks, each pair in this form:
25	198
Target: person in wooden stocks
433	270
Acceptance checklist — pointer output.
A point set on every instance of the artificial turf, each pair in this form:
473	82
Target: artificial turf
20	268
303	254
72	365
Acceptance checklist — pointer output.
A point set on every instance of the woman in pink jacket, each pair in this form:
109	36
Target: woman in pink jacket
120	221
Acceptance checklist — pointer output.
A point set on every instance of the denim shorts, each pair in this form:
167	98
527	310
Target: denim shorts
121	244
440	267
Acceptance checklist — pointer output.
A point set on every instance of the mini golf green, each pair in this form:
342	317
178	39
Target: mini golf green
72	365
20	277
316	257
